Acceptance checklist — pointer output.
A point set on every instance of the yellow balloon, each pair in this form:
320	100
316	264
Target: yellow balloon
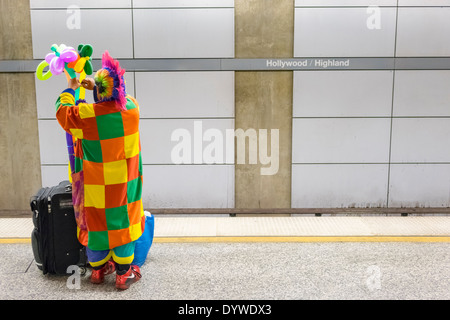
40	69
70	173
79	66
82	93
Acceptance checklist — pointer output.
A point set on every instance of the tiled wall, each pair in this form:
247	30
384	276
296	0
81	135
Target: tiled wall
365	138
168	100
372	138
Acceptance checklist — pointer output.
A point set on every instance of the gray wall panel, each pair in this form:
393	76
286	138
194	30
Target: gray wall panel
193	186
342	32
422	93
423	3
342	93
157	144
423	32
419	185
52	175
183	3
52	143
339	185
184	33
344	3
420	140
104	29
64	4
185	94
359	140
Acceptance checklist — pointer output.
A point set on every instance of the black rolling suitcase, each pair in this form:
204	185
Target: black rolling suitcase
54	237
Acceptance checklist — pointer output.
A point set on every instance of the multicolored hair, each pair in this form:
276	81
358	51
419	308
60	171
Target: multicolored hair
110	82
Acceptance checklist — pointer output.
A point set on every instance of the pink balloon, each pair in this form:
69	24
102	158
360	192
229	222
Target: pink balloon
56	66
49	57
68	55
58	60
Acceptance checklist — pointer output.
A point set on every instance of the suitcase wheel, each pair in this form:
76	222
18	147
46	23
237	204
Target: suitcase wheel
83	271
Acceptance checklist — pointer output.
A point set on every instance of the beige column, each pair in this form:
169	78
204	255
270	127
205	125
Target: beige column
20	170
264	29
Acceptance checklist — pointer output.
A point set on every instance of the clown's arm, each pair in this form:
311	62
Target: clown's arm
70	116
89	84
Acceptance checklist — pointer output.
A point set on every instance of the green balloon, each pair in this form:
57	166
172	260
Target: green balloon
88	67
86	51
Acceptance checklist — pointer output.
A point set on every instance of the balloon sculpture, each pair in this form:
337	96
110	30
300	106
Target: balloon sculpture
70	61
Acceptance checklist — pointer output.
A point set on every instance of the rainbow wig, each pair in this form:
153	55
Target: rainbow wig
110	82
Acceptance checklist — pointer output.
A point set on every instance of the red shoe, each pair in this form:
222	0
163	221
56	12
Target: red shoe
124	281
98	276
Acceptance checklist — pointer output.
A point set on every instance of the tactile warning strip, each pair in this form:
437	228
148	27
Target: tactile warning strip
273	226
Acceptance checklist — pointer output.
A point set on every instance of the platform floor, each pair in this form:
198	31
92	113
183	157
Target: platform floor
225	258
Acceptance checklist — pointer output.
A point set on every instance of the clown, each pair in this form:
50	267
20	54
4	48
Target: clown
107	178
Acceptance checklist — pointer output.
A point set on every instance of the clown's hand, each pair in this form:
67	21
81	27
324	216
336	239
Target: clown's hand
73	84
88	83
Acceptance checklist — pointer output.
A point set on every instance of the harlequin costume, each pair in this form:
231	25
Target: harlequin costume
107	179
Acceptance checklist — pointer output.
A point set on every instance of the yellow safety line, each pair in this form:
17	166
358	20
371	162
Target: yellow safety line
305	239
279	239
12	240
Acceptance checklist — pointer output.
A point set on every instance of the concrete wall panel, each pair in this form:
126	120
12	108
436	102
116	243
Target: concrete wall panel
19	164
19	146
264	99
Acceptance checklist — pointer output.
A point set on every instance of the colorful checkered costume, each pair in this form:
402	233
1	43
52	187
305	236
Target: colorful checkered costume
108	154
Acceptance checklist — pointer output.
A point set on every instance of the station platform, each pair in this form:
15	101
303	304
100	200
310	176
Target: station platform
258	258
260	228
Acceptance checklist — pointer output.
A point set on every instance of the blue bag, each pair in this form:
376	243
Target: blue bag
143	244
